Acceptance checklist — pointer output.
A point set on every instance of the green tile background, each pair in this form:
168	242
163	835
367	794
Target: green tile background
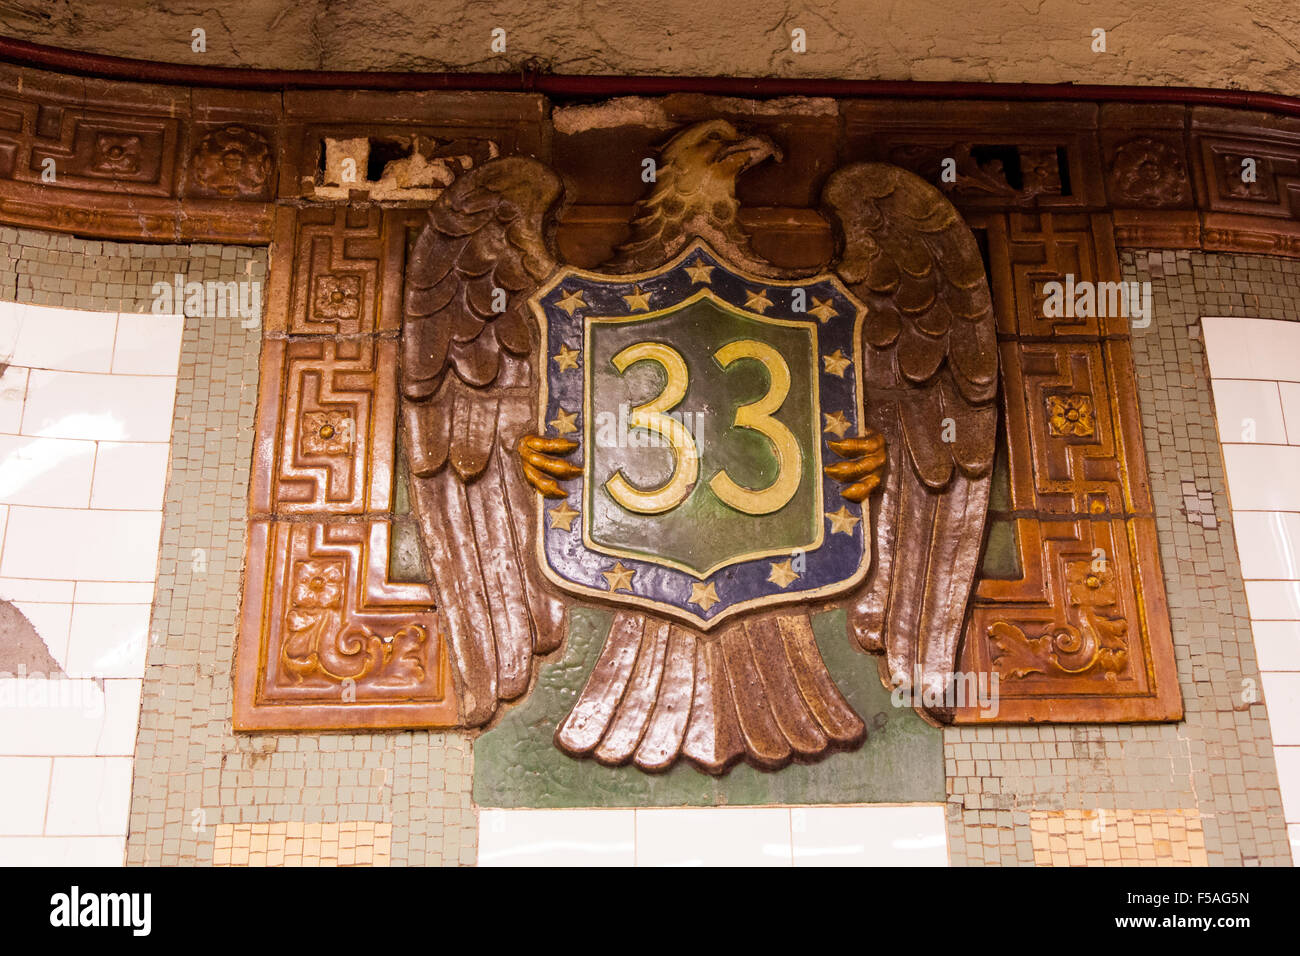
516	763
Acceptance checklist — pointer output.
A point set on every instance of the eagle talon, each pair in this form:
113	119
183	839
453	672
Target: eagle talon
541	467
864	467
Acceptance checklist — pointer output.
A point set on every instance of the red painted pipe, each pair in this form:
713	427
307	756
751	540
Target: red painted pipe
561	86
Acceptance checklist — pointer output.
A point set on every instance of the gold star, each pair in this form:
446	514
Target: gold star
562	517
782	574
836	363
758	301
565	358
841	521
704	595
569	301
822	309
619	577
564	422
637	300
837	424
700	272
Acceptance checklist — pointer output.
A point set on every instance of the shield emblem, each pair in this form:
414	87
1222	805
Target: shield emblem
702	398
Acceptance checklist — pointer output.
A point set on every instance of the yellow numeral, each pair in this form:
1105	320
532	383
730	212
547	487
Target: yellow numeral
758	416
651	417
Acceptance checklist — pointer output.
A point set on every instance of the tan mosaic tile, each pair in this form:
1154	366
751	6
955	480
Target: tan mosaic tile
1117	838
354	843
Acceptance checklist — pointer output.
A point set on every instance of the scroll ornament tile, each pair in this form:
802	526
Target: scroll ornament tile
1093	641
320	644
327	640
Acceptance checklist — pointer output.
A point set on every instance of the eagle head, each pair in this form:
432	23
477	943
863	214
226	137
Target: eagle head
703	161
695	195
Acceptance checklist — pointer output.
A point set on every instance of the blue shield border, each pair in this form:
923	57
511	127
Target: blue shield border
562	306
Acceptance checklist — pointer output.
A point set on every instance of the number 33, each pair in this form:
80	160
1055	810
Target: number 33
686	469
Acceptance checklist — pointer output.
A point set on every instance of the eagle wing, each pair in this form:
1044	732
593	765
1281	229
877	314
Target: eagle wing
468	395
930	373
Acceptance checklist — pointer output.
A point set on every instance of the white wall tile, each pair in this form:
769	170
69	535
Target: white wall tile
1290	394
130	475
1252	348
121	718
51	472
148	344
112	592
40	716
1282	694
13	390
715	836
1273	600
66	340
1274	345
556	838
32	589
1268	543
869	836
84	545
108	640
1262	482
1288	777
1277	645
1263	477
1226	348
63	851
23	795
102	407
11	321
68	717
89	796
79	525
1249	412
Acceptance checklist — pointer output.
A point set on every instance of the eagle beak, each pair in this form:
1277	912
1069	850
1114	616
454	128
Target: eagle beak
755	149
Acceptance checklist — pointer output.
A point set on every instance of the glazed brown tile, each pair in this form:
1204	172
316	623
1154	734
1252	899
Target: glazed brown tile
328	642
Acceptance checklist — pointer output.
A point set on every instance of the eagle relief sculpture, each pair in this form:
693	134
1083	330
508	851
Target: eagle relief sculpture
710	445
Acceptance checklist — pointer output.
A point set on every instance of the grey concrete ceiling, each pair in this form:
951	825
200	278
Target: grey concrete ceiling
1251	44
